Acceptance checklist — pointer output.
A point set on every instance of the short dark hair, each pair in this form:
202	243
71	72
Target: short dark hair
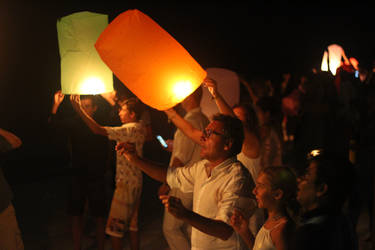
133	105
337	172
233	131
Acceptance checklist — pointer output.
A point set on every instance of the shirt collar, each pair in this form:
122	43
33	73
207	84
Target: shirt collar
221	167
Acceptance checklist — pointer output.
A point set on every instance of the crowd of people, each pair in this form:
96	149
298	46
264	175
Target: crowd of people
279	170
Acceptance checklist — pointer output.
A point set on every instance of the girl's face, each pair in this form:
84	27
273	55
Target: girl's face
263	191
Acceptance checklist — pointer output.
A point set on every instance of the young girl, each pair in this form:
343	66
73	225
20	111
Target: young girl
275	191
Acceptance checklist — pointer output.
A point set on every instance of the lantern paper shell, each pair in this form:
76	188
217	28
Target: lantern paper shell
334	57
82	70
228	84
149	61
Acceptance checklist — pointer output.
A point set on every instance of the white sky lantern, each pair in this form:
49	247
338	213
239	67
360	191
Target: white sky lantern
228	84
82	70
333	58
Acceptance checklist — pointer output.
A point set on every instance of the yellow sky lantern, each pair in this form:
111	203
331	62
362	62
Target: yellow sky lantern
148	60
82	70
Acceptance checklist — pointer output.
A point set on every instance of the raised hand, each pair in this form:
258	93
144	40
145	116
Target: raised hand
58	97
76	101
171	113
211	85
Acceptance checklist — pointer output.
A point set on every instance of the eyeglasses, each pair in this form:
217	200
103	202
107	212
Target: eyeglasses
208	132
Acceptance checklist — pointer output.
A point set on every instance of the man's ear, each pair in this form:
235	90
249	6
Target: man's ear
132	115
228	145
278	194
322	190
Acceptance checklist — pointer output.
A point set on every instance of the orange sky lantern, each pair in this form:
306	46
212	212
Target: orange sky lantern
149	61
82	70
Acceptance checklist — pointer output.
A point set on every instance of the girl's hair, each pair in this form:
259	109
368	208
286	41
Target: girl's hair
284	178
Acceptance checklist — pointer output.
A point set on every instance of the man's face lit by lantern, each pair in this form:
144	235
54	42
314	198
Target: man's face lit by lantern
213	142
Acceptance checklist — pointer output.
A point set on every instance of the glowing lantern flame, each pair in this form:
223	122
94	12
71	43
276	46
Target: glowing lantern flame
148	60
182	89
92	86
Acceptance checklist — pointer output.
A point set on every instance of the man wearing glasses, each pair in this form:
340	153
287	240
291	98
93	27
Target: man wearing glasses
219	183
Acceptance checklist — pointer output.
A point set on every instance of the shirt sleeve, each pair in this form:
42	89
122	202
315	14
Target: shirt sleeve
124	133
183	178
236	194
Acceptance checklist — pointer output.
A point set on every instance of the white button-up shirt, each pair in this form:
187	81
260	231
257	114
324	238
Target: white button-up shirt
229	186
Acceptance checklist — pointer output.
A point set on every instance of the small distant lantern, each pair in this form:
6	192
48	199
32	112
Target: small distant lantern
332	58
149	61
82	70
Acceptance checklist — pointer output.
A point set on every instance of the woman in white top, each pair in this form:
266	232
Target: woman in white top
275	191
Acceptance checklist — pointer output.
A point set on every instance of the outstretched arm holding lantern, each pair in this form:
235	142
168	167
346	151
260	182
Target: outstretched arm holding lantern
223	106
187	128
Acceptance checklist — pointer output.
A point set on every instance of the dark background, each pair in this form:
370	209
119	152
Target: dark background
246	38
250	39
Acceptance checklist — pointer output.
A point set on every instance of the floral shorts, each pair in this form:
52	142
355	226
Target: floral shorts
124	203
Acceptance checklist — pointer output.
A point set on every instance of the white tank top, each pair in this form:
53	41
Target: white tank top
263	240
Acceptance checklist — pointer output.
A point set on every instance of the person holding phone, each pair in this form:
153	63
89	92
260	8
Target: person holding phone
184	153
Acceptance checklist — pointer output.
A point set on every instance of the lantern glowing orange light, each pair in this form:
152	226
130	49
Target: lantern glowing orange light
149	61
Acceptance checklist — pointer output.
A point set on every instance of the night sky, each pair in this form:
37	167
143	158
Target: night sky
244	38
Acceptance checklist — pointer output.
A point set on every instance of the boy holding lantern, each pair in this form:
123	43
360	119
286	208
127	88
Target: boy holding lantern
123	214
